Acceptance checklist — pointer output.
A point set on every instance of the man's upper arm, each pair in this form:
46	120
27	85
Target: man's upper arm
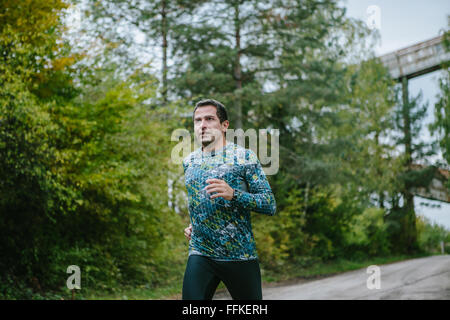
260	197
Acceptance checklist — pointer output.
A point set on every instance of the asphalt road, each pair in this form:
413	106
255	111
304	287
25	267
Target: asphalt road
416	279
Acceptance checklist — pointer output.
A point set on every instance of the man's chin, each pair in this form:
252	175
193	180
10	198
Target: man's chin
207	142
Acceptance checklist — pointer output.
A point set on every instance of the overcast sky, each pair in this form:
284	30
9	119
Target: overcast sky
404	23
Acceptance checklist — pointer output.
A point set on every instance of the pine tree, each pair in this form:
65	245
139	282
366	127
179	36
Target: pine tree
118	21
409	116
221	52
306	101
441	126
371	160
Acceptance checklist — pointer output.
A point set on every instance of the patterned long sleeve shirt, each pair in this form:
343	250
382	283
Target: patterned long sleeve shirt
222	228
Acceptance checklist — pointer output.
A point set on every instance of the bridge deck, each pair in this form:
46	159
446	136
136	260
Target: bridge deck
415	60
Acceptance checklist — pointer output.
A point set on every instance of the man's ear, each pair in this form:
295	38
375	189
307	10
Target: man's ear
225	125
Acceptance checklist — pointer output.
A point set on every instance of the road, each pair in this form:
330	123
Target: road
416	279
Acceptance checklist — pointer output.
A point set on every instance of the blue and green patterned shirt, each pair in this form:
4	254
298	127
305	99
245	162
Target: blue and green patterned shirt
221	229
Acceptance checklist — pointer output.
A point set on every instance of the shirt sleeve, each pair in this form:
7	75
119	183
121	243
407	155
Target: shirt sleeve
260	197
184	166
185	163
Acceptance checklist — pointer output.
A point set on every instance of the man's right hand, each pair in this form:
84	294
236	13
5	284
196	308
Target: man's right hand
188	231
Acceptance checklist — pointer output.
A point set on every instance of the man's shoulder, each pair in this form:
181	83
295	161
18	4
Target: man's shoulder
243	155
191	157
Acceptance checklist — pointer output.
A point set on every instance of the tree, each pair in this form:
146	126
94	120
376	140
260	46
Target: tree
220	53
408	117
159	21
34	193
308	101
120	166
441	126
371	160
83	164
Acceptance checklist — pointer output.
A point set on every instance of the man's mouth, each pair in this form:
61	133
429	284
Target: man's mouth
206	135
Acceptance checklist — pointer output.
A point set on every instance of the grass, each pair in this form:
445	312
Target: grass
290	273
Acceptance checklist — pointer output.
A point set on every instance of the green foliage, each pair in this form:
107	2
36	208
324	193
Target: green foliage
84	174
368	234
430	236
85	168
119	164
88	187
442	114
366	161
284	239
34	193
315	225
441	126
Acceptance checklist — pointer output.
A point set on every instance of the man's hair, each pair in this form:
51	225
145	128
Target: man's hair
220	108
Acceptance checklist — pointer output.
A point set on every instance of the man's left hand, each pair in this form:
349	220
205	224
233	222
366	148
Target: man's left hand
221	187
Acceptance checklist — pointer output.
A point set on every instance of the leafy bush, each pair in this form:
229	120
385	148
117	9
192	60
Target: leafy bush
367	235
430	235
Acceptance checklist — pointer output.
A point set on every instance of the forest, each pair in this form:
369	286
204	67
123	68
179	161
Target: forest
92	91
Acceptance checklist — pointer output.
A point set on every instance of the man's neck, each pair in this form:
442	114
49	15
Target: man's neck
215	145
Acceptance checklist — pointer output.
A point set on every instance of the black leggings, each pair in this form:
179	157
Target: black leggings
203	275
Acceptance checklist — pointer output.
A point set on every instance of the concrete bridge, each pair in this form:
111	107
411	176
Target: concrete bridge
437	189
416	60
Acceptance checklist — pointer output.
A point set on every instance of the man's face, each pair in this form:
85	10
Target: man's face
207	126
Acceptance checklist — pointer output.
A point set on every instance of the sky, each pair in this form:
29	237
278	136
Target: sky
403	23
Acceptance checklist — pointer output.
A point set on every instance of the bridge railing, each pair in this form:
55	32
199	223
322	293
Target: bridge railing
417	59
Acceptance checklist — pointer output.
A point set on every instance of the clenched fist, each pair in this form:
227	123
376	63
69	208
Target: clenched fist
221	187
188	231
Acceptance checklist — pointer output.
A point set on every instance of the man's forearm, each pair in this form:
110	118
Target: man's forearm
259	202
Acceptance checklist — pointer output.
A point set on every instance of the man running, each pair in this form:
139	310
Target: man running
224	182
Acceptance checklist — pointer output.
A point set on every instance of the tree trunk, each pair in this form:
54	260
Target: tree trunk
237	68
408	197
379	170
164	48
